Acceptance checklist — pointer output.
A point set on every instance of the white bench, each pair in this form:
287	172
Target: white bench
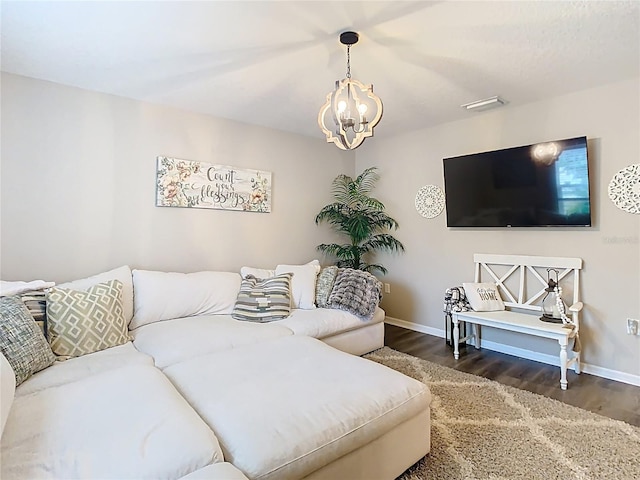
523	311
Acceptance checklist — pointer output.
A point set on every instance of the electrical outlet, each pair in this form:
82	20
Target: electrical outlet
632	326
387	288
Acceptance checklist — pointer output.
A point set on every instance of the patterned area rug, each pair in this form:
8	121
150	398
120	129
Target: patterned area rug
483	430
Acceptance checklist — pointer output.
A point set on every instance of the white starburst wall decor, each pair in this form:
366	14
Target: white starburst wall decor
624	189
430	201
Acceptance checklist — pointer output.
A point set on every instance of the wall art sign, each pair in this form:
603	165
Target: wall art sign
185	183
624	189
430	201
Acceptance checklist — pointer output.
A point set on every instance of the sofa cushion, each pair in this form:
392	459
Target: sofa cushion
176	340
81	322
277	418
303	283
122	274
168	295
217	471
263	300
257	272
124	423
325	322
21	340
78	368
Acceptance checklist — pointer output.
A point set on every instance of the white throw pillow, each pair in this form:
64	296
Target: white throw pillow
483	297
303	283
164	296
257	272
121	273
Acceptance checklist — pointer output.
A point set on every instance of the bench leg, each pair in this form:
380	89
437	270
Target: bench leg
456	337
476	335
576	365
563	364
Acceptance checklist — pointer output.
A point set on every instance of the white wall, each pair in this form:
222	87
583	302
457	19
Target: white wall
78	187
438	257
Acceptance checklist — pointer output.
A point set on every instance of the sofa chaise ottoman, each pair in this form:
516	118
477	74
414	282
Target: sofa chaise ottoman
199	394
291	407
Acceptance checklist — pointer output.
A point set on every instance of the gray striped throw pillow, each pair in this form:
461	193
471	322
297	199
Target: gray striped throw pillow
263	300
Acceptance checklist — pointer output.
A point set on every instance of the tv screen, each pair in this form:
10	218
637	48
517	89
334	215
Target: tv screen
540	185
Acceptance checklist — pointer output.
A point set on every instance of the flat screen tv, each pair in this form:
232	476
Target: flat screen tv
540	185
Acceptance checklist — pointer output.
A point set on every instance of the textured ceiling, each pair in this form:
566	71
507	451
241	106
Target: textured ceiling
272	63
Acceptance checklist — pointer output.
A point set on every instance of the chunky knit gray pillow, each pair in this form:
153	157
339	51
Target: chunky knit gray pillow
356	292
21	340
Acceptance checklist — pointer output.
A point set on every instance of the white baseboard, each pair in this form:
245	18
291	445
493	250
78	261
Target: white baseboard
436	332
523	353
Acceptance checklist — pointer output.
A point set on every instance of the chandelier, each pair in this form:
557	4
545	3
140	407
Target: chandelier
352	109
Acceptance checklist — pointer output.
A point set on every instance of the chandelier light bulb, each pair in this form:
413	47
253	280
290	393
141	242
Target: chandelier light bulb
342	106
362	108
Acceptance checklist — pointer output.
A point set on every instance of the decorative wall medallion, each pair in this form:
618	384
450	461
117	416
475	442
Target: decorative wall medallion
430	201
624	189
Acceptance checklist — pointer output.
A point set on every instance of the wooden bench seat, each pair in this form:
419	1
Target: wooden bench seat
523	310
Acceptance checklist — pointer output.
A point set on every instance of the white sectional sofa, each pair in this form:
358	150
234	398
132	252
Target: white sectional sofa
198	394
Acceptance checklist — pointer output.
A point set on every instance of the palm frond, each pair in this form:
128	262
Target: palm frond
375	266
338	251
373	203
341	189
384	241
367	180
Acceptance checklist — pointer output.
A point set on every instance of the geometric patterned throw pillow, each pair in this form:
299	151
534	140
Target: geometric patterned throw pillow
82	322
21	340
263	300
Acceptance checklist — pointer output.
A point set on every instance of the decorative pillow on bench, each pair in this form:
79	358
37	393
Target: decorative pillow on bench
263	300
483	297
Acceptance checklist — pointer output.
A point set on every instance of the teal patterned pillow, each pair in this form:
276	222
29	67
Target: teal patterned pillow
324	285
263	300
21	340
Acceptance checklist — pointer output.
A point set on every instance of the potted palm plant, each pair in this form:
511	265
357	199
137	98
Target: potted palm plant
360	217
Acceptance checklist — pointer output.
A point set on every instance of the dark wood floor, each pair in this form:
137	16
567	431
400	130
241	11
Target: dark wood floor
600	395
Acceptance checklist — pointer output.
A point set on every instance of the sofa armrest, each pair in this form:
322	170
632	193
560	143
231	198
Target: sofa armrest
7	390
